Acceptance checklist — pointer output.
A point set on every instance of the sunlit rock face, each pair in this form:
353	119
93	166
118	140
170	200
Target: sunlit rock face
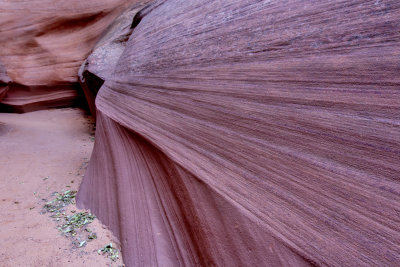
253	133
44	42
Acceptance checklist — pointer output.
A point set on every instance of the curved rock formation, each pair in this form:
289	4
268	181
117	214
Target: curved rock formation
163	215
43	43
101	62
258	133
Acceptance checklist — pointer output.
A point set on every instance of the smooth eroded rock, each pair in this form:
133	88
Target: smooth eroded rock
253	133
44	42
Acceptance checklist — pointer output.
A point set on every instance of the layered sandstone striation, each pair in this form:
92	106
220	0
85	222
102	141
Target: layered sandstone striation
44	42
101	62
165	216
252	133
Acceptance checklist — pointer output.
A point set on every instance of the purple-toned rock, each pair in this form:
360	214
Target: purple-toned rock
101	62
253	133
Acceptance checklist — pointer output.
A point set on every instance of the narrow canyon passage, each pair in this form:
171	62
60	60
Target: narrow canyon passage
43	152
228	133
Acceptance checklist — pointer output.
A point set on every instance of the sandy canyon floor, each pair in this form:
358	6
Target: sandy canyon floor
41	153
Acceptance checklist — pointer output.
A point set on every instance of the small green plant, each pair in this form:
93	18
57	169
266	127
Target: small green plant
70	226
76	221
109	251
61	200
74	226
68	197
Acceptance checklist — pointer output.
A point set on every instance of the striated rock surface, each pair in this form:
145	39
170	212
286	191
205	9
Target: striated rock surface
20	99
101	62
163	215
44	42
253	133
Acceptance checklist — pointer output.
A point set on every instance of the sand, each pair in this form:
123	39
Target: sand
42	152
